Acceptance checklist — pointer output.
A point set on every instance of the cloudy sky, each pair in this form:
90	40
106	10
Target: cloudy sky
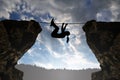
50	52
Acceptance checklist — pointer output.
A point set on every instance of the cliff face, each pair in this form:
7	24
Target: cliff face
16	37
104	40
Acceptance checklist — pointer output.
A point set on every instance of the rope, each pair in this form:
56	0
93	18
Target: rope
61	23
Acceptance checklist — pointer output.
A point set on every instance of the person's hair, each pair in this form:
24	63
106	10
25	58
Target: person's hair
67	39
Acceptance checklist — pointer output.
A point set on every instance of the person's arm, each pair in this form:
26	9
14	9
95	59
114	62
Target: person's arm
62	29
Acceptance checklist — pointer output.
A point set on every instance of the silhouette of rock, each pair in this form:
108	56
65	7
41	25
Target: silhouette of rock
104	40
16	37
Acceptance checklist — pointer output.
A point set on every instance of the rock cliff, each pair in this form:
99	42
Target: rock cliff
104	40
16	37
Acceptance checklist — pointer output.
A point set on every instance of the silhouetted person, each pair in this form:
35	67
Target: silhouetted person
63	33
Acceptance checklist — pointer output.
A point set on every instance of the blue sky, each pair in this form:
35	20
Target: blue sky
50	52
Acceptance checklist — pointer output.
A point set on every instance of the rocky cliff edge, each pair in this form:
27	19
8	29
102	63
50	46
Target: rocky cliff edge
16	37
104	40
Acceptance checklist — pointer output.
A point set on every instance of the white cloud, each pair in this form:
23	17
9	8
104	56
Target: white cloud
73	59
77	61
7	7
45	65
4	14
24	17
30	52
77	10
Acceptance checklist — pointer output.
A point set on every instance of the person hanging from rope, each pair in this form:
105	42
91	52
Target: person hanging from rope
63	33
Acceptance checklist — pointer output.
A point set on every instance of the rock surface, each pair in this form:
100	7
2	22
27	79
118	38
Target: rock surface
104	40
16	37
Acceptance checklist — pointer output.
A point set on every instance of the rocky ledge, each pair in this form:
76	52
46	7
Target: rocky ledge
16	37
104	40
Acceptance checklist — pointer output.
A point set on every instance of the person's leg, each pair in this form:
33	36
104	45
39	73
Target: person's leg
53	24
62	29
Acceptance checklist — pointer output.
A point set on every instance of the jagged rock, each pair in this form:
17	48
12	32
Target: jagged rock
16	37
104	40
